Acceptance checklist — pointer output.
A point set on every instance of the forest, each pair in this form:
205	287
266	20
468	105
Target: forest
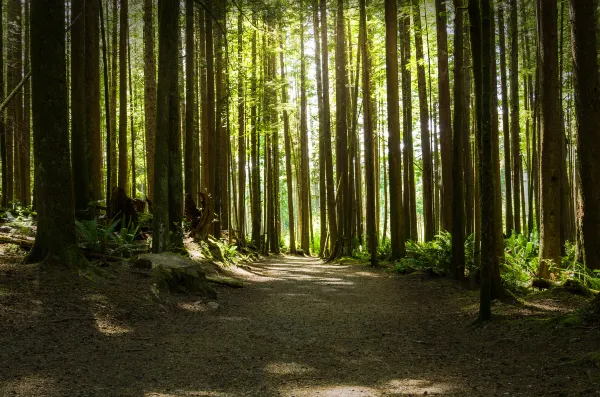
392	156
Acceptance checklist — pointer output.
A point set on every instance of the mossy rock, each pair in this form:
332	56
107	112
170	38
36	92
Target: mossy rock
174	273
576	287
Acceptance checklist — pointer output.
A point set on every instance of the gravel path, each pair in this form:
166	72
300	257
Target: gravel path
301	328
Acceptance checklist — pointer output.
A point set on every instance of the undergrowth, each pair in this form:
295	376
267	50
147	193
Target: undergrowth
519	268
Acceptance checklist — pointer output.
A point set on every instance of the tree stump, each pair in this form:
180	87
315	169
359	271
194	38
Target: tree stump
199	218
122	207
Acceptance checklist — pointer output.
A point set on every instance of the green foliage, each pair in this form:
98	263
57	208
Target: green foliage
222	251
435	254
120	241
521	261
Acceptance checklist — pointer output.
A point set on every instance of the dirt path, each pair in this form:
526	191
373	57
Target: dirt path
301	328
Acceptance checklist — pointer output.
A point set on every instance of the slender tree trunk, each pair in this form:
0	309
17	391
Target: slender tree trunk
113	95
3	131
445	117
410	202
190	101
92	96
222	138
587	104
481	42
211	132
394	156
256	217
166	111
550	161
505	123
322	155
16	51
331	197
427	172
26	159
108	120
514	114
242	136
55	240
288	155
368	135
79	146
344	203
149	94
498	248
131	126
123	166
304	170
458	208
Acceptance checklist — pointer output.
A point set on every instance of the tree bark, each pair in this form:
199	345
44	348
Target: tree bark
92	93
505	123
587	103
166	111
242	136
445	117
79	146
190	100
550	160
427	172
394	156
514	115
123	165
331	196
368	135
458	208
55	241
149	94
304	165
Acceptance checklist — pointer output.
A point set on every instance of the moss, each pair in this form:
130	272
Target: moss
571	320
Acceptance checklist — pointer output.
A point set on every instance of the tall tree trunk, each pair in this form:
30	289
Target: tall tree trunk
190	101
92	93
288	155
113	95
514	115
331	196
394	156
304	170
15	110
481	35
550	161
149	94
254	149
458	208
222	138
211	132
242	135
123	166
369	122
79	146
445	117
322	154
166	111
409	196
131	125
505	123
427	172
343	201
3	131
587	104
108	120
498	247
55	241
26	159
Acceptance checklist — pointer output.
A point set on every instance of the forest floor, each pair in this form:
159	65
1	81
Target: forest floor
300	327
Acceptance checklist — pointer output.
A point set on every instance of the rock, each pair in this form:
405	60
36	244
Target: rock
141	263
174	273
577	287
213	305
6	229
